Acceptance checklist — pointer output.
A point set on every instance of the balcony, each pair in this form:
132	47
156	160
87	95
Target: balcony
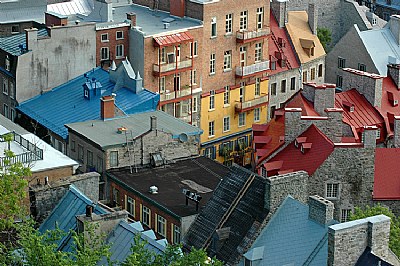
167	68
250	36
167	95
250	105
246	71
186	118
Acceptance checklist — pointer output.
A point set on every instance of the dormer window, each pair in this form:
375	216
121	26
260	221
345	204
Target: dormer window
298	141
351	109
305	147
86	93
395	102
7	63
378	134
281	42
392	98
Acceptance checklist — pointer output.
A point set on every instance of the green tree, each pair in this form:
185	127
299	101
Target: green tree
394	240
324	36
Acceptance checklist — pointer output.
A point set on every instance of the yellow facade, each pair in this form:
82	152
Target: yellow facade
228	143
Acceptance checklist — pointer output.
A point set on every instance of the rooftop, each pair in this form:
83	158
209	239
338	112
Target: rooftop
16	44
22	10
388	107
104	132
201	175
298	29
387	174
71	7
66	103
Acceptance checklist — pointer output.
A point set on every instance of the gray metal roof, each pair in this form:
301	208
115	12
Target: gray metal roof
72	7
12	43
11	126
104	133
22	10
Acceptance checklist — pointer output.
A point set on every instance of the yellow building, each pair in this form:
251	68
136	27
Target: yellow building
227	116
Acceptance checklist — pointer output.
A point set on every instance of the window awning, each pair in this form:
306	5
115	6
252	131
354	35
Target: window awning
171	39
307	44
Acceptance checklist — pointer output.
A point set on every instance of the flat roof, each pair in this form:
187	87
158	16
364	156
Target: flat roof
199	174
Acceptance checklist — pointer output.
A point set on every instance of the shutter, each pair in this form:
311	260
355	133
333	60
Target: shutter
156	223
213	152
236	144
141	213
126	202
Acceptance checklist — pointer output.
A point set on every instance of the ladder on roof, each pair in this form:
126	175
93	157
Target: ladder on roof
232	207
130	149
155	5
280	49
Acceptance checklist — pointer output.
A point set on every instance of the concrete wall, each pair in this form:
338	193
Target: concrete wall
67	53
136	52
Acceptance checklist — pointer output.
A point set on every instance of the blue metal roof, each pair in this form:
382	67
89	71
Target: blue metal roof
64	215
394	4
12	43
66	103
123	237
290	238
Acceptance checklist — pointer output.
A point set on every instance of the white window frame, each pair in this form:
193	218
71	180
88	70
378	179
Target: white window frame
211	105
5	110
162	84
119	54
227	96
176	234
228	23
113	158
258	52
332	190
146	216
7	63
104	51
345	215
257	87
213	27
227	60
243	20
163	55
194	49
104	37
260	17
242	119
211	128
121	37
130	205
226	123
5	86
212	64
194	105
193	76
161	225
257	112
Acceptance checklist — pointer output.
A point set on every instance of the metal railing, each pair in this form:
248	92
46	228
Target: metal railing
252	103
248	35
167	95
165	67
252	69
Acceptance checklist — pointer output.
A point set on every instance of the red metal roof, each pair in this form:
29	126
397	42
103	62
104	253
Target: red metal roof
309	161
171	39
386	104
299	101
364	113
287	49
387	174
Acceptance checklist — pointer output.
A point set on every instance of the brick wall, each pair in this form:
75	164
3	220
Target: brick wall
112	43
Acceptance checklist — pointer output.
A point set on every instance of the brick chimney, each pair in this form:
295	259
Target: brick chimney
313	17
107	107
132	17
396	132
320	210
279	9
370	136
177	8
394	72
54	19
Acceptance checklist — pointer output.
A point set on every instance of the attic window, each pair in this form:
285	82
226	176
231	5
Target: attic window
351	109
348	105
298	141
308	46
281	42
392	98
395	102
305	147
86	93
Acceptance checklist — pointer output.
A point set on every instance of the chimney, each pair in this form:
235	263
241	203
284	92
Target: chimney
31	36
394	26
105	223
292	121
131	16
107	107
324	96
313	17
394	73
370	136
138	83
54	19
177	8
396	132
320	210
335	116
89	210
347	241
153	123
279	9
368	84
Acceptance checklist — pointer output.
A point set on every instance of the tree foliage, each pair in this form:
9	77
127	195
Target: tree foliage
394	240
324	36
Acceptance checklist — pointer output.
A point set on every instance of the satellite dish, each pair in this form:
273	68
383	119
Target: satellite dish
183	137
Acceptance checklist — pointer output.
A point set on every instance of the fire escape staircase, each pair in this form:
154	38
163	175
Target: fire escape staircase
280	48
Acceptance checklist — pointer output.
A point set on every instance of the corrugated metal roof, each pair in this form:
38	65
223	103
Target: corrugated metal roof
72	7
175	38
22	10
387	174
66	104
104	133
291	237
12	43
64	215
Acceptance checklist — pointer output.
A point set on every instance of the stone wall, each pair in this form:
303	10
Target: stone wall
347	241
320	209
45	197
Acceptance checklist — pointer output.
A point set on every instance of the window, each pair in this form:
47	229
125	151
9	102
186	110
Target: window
5	110
256	114
320	70
14	29
162	84
283	86
193	77
362	67
73	145
5	86
345	215
104	53
305	74
241	92
272	65
113	158
243	20
99	166
146	216
119	51
213	27
161	225
260	17
332	191
339	81
273	88
104	37
227	123
120	35
176	235
378	134
212	100
211	129
313	73
210	152
257	90
228	24
242	119
80	153
194	103
248	262
12	114
193	49
227	60
11	90
341	62
263	172
258	52
7	63
163	55
89	158
293	83
130	206
272	112
226	95
115	195
212	64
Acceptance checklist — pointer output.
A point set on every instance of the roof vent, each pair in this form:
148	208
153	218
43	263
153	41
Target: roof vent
120	130
166	25
153	190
